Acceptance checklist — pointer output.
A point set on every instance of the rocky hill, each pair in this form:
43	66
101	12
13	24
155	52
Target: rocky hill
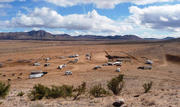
43	35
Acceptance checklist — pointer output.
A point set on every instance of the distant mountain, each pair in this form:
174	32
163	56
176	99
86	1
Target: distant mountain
116	37
168	38
43	35
151	39
31	35
34	35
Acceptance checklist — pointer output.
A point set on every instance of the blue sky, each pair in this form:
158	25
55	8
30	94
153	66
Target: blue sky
145	18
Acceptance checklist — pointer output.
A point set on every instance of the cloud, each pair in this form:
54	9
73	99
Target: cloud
157	17
22	0
48	18
3	1
104	3
5	6
6	1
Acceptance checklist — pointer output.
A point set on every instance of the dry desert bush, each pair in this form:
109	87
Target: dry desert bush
4	89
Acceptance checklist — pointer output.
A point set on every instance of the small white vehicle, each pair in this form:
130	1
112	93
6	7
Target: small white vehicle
149	62
46	64
105	64
36	64
96	67
47	59
74	56
61	66
68	73
118	70
117	63
145	67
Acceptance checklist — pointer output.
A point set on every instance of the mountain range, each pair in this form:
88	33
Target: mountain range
43	35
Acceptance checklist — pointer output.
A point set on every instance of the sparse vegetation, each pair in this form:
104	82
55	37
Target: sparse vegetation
54	92
60	91
80	90
116	84
4	89
20	93
147	86
39	91
98	91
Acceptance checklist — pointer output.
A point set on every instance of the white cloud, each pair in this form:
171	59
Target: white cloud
157	17
6	1
5	6
104	3
22	0
48	18
163	19
57	32
144	2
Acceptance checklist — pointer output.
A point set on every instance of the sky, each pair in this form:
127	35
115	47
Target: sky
144	18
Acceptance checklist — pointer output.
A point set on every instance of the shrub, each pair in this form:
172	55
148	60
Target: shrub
54	92
4	89
20	93
60	91
147	86
39	91
80	90
116	84
67	90
98	91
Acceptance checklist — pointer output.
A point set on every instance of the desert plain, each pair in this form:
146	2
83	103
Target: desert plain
18	56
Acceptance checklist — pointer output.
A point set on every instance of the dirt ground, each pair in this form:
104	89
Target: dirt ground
17	58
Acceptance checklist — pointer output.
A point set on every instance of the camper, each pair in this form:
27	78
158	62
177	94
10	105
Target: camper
68	73
145	67
118	70
46	64
47	59
74	56
61	66
117	63
105	64
88	56
74	61
96	67
37	74
36	64
149	62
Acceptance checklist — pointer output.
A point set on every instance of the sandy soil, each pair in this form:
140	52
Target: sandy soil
165	75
